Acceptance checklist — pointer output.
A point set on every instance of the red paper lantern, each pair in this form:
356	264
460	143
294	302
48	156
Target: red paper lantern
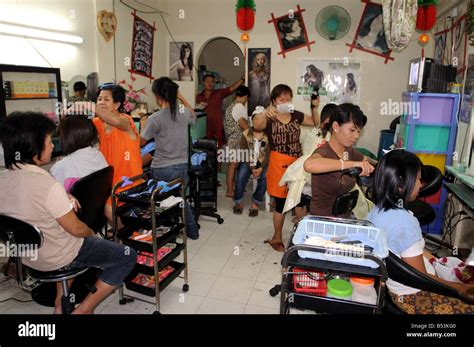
426	17
245	14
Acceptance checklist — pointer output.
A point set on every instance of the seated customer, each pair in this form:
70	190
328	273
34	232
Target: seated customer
318	135
255	145
32	195
328	161
79	141
397	182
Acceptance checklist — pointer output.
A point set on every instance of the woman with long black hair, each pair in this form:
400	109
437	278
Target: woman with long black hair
169	128
184	66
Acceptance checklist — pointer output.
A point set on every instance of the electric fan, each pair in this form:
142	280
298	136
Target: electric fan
333	22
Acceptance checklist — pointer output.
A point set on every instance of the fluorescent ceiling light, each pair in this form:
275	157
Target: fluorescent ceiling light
33	33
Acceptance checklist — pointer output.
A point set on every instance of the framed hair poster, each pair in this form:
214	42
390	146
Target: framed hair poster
370	34
291	31
142	47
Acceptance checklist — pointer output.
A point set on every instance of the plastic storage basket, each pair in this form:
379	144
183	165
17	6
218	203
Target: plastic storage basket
312	283
354	230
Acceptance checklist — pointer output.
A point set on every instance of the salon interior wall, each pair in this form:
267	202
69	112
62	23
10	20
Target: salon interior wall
69	16
205	19
464	130
95	54
108	71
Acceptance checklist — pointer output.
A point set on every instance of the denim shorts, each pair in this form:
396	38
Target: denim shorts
116	260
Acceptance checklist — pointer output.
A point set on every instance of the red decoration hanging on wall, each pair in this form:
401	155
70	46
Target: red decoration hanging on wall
426	17
142	48
245	14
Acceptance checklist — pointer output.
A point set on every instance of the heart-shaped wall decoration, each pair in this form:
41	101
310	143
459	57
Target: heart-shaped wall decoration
107	24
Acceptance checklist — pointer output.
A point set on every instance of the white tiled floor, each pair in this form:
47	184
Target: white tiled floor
230	271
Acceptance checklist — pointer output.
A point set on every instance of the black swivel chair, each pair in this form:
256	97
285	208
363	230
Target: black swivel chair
432	180
203	181
28	237
403	273
92	192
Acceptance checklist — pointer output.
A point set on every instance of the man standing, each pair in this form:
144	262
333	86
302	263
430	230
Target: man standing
79	92
213	99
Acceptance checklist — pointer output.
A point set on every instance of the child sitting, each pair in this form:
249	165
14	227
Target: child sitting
254	143
79	140
397	181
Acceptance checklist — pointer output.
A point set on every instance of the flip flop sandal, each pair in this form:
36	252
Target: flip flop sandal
238	210
253	212
277	246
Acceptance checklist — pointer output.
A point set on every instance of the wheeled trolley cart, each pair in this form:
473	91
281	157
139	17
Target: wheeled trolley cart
155	226
325	249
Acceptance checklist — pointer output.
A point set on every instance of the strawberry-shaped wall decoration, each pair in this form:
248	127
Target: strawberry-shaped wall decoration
245	14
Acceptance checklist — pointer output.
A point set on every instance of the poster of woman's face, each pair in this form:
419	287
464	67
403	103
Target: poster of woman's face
181	61
291	32
334	81
259	77
371	35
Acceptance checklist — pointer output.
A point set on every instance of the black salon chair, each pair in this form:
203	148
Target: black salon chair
432	180
92	192
405	274
203	181
28	237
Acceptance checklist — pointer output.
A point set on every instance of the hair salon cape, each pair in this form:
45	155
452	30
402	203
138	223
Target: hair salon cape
295	177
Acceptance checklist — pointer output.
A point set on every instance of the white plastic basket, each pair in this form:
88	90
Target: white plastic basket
327	228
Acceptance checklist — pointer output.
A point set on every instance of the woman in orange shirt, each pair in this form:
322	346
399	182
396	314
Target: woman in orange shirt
118	136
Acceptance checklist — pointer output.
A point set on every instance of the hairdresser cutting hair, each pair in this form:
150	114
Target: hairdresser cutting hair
281	123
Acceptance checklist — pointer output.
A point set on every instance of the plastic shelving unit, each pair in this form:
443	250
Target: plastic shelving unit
428	128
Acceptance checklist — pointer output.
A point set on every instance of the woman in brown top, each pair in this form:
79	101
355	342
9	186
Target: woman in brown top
281	123
328	161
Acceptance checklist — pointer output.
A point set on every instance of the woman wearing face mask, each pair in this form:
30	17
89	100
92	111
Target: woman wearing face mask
281	123
328	161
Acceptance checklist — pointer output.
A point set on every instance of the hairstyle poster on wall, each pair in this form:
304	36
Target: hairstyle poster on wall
336	81
455	52
142	47
370	34
460	43
291	31
440	47
259	77
181	61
